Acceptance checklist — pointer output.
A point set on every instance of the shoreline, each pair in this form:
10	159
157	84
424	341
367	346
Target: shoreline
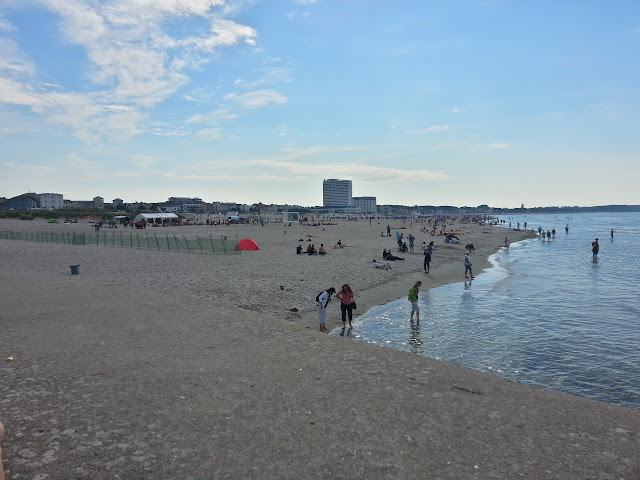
371	296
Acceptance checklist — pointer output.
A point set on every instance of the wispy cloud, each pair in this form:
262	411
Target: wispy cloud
489	146
258	98
432	129
366	173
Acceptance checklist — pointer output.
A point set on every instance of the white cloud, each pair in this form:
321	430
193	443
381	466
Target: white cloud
77	162
259	98
365	173
489	146
215	117
433	129
30	171
136	62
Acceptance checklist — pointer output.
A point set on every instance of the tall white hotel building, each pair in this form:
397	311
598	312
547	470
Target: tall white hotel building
336	193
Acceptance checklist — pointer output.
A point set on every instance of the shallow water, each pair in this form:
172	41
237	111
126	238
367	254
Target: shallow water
545	314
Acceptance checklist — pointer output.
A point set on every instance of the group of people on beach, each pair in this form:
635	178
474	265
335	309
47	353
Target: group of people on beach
347	306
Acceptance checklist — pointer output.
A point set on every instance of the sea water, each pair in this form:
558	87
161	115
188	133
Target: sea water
546	313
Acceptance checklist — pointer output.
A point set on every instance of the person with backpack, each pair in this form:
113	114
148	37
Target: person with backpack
428	251
323	299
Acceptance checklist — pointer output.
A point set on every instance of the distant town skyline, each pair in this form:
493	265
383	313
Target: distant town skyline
419	103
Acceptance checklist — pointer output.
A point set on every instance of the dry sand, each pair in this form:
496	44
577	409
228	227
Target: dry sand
144	367
272	280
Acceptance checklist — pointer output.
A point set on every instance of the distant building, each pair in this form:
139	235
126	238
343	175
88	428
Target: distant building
26	201
82	204
51	201
365	204
117	203
98	202
182	205
336	193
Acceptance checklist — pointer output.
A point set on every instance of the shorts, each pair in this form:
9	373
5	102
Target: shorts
415	307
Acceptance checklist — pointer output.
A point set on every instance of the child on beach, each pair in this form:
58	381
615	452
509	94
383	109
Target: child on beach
467	265
413	298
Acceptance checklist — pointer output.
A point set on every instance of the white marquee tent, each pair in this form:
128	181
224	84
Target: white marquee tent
156	218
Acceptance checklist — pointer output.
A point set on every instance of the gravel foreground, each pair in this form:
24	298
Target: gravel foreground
139	368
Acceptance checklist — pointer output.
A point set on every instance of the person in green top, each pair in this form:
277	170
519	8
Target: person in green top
413	298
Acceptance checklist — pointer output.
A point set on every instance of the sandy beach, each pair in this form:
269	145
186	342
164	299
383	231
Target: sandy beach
156	364
273	280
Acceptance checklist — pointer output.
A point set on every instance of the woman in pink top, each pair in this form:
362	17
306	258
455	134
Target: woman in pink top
346	298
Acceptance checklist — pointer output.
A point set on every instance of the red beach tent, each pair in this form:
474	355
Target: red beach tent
247	244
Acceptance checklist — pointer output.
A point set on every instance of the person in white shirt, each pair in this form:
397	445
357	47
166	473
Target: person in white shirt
383	266
323	301
467	265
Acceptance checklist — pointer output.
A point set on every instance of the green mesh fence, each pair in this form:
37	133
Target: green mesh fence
146	241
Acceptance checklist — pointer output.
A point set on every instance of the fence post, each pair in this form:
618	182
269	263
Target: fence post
223	245
213	250
176	240
198	239
187	243
138	237
157	243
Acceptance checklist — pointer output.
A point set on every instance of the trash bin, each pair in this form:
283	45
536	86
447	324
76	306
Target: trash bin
75	269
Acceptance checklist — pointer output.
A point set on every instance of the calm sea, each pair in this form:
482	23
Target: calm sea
545	314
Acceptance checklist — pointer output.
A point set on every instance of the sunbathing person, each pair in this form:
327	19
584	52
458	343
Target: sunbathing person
382	266
387	255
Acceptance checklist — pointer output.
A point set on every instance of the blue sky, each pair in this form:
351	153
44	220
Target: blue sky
418	102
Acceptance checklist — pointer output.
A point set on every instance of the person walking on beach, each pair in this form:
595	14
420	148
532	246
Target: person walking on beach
467	265
427	257
595	248
506	243
413	298
323	301
346	304
612	231
388	231
566	228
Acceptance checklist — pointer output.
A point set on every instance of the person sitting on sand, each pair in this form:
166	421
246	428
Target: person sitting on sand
312	250
299	249
470	247
322	251
309	248
387	255
382	266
